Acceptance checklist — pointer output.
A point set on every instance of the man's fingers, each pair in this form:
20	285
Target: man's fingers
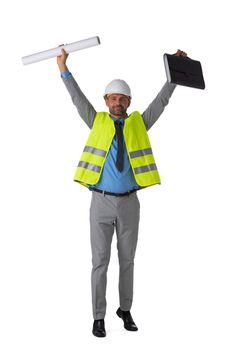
63	52
181	53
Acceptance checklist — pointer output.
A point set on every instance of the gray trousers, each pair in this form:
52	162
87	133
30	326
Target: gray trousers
106	214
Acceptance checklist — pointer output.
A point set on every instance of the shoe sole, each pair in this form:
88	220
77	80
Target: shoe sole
99	335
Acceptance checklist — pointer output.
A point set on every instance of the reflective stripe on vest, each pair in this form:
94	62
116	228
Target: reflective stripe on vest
145	168
89	166
97	151
140	153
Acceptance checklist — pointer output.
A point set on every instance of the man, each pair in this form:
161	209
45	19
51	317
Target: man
116	162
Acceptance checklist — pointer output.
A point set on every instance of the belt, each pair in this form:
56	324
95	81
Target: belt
114	194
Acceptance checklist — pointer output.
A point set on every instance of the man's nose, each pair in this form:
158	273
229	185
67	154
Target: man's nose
118	102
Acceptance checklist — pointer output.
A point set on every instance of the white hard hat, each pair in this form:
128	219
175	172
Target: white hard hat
118	86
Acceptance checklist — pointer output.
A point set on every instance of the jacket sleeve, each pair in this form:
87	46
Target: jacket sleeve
84	107
155	109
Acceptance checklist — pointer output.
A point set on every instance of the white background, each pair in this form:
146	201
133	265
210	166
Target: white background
183	265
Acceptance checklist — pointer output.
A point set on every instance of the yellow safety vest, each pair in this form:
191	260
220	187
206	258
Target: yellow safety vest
138	147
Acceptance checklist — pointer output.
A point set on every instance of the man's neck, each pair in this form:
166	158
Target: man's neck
118	116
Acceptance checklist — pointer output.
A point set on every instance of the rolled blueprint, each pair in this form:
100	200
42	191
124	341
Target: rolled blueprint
75	46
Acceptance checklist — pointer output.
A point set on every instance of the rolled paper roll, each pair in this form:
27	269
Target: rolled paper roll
75	46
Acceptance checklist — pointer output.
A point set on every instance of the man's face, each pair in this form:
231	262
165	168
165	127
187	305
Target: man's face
117	104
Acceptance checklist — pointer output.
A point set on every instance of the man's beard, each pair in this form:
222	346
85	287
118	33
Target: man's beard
118	111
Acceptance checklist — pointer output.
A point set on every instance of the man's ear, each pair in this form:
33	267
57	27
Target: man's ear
129	102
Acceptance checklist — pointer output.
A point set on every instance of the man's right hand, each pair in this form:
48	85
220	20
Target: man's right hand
61	60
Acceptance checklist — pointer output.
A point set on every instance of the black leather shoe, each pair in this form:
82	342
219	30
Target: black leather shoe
98	328
128	320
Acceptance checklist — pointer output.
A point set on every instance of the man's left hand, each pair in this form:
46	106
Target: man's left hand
181	53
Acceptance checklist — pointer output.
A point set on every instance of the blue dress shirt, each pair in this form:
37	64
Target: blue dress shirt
65	74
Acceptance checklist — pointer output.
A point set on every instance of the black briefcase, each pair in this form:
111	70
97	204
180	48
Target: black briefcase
184	71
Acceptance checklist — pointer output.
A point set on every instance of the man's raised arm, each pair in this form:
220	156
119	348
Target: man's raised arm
84	107
155	109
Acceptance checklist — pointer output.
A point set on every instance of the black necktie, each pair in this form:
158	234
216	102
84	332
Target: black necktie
120	154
